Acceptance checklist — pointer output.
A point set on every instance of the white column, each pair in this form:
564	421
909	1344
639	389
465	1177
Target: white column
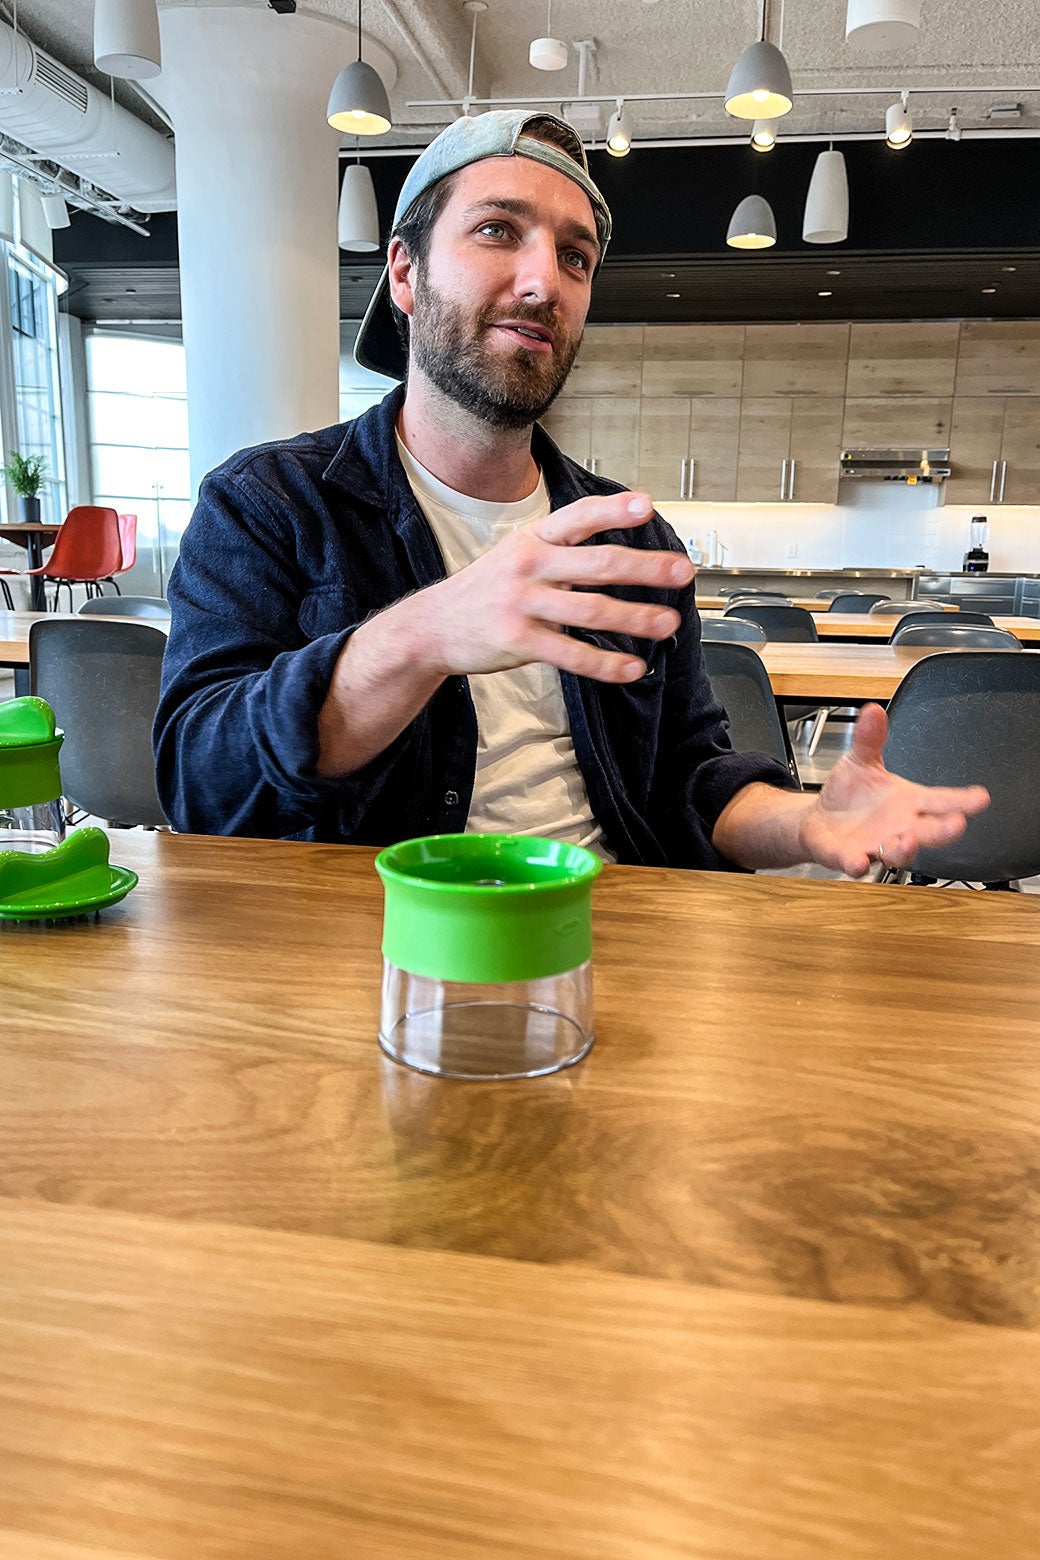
246	91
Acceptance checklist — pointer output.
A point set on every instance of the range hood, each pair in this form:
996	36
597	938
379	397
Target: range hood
900	465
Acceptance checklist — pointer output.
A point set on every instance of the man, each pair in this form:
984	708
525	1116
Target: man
430	620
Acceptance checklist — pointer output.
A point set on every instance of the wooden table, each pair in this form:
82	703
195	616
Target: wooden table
758	1280
835	672
34	537
14	637
810	603
858	626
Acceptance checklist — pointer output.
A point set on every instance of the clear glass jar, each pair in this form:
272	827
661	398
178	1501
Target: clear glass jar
486	1030
34	828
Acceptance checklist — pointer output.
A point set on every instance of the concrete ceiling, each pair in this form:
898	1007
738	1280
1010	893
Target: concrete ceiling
653	46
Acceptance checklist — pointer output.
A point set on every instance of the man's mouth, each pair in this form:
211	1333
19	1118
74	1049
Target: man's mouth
538	338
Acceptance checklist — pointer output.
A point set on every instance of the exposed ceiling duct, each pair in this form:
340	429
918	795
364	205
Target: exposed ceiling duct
56	115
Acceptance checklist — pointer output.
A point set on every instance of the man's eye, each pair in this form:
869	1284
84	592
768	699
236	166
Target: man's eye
494	229
577	259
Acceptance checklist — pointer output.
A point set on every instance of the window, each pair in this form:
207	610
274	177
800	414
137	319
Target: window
32	299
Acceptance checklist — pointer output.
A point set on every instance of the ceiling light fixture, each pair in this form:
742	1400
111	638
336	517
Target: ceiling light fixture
759	84
989	289
899	127
825	295
953	129
55	211
358	102
763	136
882	24
357	227
548	53
619	131
587	118
752	225
126	38
826	219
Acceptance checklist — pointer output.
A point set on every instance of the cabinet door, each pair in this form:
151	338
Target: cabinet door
765	443
569	422
614	443
1021	451
795	359
713	446
976	430
693	360
815	450
609	362
913	422
902	359
999	357
664	437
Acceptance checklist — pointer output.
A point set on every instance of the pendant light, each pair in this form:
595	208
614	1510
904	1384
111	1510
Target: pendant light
619	131
752	225
827	204
899	127
126	38
358	102
358	220
763	136
548	53
882	24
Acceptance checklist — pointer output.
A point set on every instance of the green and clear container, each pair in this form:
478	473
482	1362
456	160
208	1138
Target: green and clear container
32	818
487	954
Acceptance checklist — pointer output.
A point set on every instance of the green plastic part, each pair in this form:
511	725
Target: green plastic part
71	879
29	744
487	907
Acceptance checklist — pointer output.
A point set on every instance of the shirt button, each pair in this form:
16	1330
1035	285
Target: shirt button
451	798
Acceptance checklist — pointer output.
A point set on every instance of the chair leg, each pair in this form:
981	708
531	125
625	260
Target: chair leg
818	725
7	595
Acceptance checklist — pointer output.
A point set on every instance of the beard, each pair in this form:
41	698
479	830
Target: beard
503	389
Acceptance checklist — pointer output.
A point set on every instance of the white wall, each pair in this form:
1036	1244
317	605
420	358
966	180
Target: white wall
877	524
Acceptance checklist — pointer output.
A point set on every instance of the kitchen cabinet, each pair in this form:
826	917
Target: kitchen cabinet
609	362
789	449
998	357
688	447
910	422
600	432
809	360
903	359
994	450
693	360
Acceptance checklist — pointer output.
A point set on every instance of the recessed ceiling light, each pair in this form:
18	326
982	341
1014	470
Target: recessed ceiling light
824	295
833	273
989	289
1009	268
673	295
669	276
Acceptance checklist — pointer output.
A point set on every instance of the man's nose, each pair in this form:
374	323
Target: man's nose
538	274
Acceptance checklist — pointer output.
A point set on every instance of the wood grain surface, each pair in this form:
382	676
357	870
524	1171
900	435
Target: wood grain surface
759	1278
860	626
837	671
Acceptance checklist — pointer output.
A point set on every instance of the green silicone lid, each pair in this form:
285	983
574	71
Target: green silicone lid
29	744
487	907
71	879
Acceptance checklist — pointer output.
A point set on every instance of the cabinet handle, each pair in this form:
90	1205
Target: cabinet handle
1003	481
783	480
682	477
790	479
689	479
993	483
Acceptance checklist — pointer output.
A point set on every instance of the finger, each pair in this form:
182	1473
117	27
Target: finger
570	655
576	522
580	610
615	566
869	734
933	801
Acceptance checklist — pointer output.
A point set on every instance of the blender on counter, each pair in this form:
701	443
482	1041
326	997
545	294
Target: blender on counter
976	560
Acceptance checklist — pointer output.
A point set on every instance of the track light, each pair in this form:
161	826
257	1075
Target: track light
882	24
899	127
760	84
752	225
548	53
763	136
619	131
358	102
826	218
55	211
126	38
358	219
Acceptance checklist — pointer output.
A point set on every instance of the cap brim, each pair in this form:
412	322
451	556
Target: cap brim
378	345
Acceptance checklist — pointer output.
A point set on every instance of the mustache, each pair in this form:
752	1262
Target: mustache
527	313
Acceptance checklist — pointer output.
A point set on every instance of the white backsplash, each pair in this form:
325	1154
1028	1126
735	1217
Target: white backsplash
876	524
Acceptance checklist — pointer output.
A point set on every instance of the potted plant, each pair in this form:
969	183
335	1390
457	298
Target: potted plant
26	474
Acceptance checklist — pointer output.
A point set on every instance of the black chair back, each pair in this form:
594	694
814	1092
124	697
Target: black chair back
955	636
791	624
126	606
854	601
901	608
733	628
741	684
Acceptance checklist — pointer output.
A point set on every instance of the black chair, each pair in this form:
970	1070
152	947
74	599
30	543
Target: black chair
728	629
973	718
927	619
102	681
901	608
126	606
854	601
741	684
759	595
749	590
955	636
826	595
787	623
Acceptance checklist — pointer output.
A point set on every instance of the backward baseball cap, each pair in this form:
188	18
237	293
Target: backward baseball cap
498	133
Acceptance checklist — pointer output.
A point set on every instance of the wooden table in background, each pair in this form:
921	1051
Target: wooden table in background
34	537
14	637
757	1280
836	672
855	626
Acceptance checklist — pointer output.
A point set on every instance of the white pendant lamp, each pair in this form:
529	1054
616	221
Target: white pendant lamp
752	225
548	53
827	204
760	84
899	127
55	211
882	24
358	224
126	38
358	102
619	131
763	136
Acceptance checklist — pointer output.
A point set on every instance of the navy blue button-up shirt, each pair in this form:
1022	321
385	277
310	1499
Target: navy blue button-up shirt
291	547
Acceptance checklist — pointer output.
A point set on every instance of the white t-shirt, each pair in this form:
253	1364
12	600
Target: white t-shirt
528	780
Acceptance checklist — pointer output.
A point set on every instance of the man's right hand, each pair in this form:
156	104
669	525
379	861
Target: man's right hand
510	606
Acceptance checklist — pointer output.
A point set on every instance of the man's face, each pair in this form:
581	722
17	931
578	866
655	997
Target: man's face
500	306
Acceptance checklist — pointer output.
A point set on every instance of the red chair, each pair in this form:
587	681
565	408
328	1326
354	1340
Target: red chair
128	547
87	550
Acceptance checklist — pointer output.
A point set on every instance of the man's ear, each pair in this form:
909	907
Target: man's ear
400	276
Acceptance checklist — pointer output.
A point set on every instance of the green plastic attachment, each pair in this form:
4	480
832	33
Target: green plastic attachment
29	745
71	879
487	907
